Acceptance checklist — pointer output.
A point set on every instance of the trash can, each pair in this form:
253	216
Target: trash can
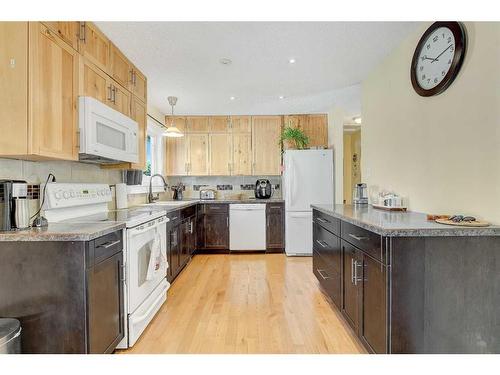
10	336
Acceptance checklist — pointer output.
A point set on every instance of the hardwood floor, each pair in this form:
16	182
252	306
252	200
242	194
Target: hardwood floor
247	303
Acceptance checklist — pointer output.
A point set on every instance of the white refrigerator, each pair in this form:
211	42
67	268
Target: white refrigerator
307	179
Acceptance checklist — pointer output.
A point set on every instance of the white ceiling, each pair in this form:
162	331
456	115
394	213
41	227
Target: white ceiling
182	59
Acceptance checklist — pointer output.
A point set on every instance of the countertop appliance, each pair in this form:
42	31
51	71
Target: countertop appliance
178	189
263	189
106	135
145	250
307	179
208	194
14	210
360	194
247	227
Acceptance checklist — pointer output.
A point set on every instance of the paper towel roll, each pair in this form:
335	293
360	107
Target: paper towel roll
121	196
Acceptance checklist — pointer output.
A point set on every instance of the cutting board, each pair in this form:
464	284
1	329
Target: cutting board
476	223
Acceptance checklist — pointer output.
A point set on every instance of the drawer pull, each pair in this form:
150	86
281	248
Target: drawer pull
107	245
323	244
358	238
322	220
321	274
352	271
173	218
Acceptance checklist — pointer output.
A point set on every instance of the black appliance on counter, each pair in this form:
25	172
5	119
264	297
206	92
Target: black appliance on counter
14	213
263	189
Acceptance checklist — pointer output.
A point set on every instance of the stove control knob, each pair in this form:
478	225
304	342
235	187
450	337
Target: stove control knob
73	194
66	195
58	195
99	193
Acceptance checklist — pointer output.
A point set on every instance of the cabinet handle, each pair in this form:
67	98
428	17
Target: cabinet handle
322	220
123	273
110	93
81	34
321	274
352	271
357	237
114	94
132	76
135	78
191	227
356	265
173	218
322	243
227	222
107	245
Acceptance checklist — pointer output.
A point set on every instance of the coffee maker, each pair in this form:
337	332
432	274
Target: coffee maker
263	189
14	210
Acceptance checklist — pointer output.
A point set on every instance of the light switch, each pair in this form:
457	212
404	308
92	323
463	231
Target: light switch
12	63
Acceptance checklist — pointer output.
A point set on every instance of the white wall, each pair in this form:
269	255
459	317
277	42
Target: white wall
442	152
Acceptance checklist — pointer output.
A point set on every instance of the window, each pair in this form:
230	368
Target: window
154	151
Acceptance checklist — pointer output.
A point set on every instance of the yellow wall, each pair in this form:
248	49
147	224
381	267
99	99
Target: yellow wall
352	173
443	152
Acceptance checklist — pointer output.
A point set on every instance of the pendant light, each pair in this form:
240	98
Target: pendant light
171	130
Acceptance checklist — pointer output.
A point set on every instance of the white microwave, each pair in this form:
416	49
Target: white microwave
106	135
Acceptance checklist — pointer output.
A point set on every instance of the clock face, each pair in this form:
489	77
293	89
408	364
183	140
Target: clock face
435	58
438	57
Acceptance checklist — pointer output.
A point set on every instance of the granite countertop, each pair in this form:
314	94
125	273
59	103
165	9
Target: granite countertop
63	232
177	205
400	224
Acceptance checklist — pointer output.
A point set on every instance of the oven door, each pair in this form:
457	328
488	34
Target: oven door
106	133
140	249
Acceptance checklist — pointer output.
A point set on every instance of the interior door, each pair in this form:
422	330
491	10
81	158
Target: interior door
350	301
307	178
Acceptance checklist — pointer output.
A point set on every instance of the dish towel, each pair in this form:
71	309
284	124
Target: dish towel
155	258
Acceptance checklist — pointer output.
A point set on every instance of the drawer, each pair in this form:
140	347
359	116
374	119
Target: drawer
326	221
328	246
214	208
275	207
328	277
188	211
369	242
175	218
107	245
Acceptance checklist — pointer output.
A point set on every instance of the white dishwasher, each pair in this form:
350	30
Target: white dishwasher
247	227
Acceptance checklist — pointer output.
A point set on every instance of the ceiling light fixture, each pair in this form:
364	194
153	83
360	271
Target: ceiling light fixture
281	97
172	130
292	61
357	119
232	97
225	61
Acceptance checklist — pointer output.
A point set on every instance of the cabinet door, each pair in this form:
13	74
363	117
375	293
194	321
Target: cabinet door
120	99
176	156
184	252
220	154
95	82
350	302
218	124
54	92
241	124
192	234
316	129
66	30
174	247
94	45
198	154
266	132
197	124
138	113
177	121
139	85
241	154
121	69
216	231
105	305
295	121
373	322
275	226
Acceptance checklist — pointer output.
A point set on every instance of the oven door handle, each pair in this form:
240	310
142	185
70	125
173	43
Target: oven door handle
146	227
140	318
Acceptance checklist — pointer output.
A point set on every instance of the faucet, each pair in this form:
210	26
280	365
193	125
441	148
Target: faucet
151	198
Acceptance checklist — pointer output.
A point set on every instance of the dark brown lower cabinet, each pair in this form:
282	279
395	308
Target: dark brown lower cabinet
181	240
275	227
215	226
351	291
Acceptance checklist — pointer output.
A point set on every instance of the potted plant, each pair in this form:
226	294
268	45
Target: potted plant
293	138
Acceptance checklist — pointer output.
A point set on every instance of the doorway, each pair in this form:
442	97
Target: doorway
352	160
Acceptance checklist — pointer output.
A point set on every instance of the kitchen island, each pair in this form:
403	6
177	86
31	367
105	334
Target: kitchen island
406	285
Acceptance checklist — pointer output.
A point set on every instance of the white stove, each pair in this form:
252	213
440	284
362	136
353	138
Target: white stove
145	252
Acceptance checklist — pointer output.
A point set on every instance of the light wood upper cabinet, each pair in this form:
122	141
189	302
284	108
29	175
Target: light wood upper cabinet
295	121
241	154
220	154
66	30
316	129
94	82
54	91
138	112
14	88
218	124
176	156
241	124
121	69
120	98
94	45
198	154
139	84
266	150
179	122
197	124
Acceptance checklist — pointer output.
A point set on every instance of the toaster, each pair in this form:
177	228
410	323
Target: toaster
207	194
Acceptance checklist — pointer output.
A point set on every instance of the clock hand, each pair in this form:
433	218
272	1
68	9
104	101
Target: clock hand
446	49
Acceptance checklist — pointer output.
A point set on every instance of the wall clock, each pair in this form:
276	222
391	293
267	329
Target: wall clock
438	58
